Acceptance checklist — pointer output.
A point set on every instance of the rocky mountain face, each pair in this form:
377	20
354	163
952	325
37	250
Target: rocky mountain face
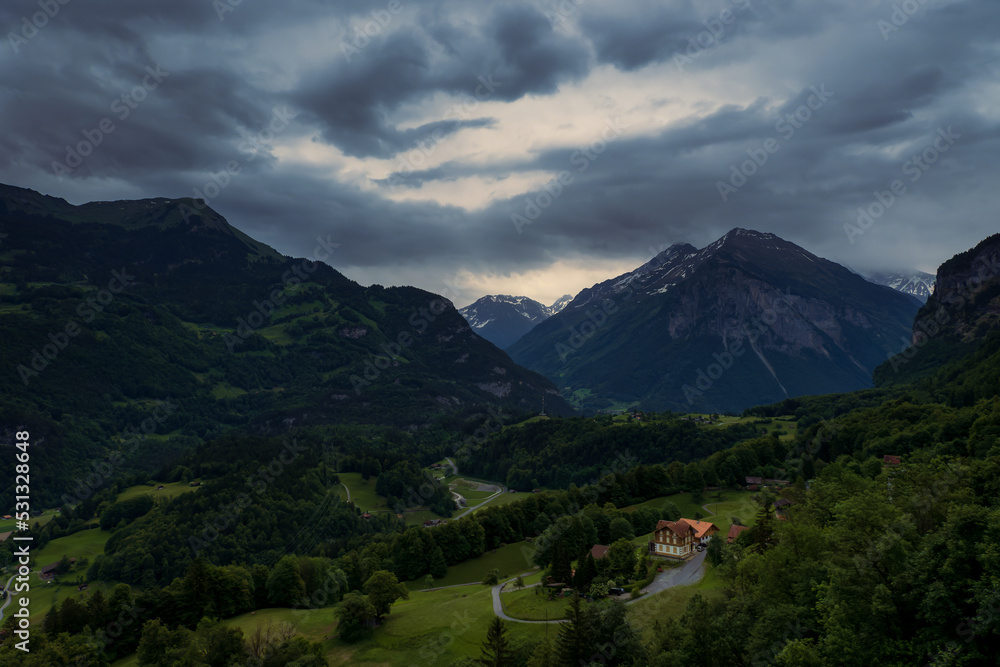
748	319
914	283
963	309
502	319
966	299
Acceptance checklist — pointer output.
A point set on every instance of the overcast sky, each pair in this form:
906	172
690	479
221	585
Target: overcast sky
519	147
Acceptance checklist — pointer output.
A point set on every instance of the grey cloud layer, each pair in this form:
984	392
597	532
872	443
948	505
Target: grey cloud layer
891	91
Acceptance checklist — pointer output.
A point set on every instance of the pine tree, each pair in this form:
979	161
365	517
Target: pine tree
562	569
585	574
762	533
544	654
50	624
496	648
573	643
438	566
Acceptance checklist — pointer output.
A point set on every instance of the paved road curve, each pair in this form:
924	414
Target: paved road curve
481	503
689	573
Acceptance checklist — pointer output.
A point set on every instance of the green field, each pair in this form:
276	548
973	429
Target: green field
510	560
533	604
84	544
474	497
362	492
43	595
786	423
224	390
431	628
170	490
7	525
507	498
313	624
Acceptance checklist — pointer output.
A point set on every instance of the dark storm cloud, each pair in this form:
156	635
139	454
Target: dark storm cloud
514	53
636	39
891	90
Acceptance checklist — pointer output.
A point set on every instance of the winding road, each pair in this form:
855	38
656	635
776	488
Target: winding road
487	500
10	596
689	573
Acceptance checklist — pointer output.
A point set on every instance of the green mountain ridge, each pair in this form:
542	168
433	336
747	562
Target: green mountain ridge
107	309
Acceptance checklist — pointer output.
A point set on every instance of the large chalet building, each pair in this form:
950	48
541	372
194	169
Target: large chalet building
678	539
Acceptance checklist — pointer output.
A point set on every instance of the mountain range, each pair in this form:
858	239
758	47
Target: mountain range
502	319
111	310
748	319
914	283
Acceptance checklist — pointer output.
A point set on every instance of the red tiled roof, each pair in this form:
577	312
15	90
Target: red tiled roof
701	528
680	528
734	532
599	551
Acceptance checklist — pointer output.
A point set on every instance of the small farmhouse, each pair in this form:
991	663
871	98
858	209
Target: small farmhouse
678	539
